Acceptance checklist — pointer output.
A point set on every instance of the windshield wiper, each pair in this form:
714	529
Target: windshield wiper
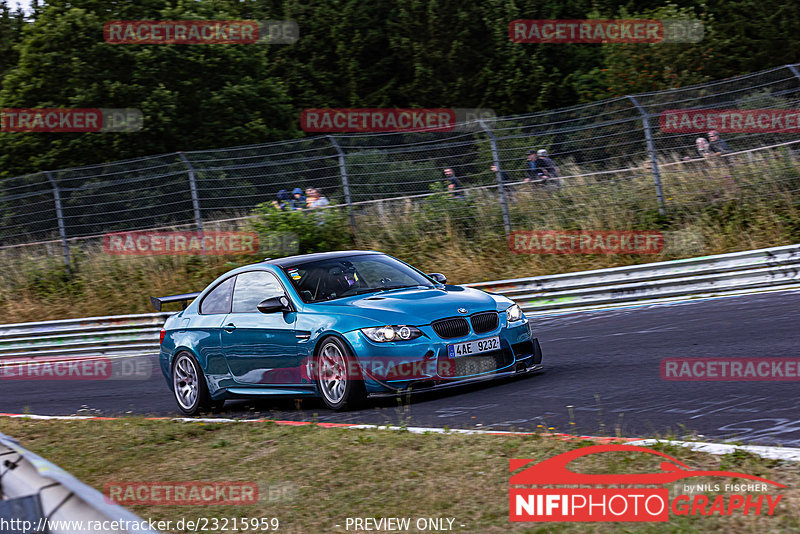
401	287
384	288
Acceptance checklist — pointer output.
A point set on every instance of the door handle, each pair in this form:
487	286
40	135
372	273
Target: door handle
230	327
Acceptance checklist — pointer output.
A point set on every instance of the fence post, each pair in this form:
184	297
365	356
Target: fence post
193	188
648	134
345	182
500	182
62	229
794	71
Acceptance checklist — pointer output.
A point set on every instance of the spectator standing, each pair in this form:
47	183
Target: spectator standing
315	199
702	147
506	181
546	168
693	163
530	165
719	148
283	200
298	201
716	145
453	183
503	175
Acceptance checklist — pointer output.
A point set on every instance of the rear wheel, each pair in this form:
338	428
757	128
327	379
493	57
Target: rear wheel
189	386
338	378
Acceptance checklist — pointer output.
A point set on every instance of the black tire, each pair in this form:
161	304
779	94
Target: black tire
189	386
342	390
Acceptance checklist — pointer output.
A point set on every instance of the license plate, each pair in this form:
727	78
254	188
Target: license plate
469	348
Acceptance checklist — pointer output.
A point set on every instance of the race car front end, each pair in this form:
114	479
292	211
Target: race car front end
448	351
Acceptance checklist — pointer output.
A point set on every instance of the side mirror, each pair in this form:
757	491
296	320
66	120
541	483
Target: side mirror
439	278
274	305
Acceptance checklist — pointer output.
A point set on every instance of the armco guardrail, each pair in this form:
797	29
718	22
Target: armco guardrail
33	490
91	336
125	335
764	268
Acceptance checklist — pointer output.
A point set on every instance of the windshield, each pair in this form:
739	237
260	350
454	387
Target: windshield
336	278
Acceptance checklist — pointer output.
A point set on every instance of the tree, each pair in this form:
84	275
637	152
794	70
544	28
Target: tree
630	68
192	96
11	25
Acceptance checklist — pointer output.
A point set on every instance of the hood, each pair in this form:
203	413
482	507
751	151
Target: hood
416	306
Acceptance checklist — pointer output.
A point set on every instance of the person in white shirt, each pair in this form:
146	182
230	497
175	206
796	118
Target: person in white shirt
314	199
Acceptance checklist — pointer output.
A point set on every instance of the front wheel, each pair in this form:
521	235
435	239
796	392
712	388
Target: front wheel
338	378
189	386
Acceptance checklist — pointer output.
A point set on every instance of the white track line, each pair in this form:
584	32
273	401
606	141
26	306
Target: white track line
770	452
773	453
663	301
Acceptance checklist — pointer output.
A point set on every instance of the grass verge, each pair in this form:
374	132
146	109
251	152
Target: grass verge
328	475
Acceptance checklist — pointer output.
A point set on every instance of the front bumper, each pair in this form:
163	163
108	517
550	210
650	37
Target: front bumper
423	364
423	387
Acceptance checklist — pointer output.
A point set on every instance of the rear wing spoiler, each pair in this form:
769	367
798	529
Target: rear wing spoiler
184	299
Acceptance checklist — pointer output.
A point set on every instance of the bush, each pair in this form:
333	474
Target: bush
316	230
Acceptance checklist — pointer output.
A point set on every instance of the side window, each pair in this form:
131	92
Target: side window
253	287
219	300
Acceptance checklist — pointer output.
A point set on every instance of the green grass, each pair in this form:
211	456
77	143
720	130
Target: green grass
322	476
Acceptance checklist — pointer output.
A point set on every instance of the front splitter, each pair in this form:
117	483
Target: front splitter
447	384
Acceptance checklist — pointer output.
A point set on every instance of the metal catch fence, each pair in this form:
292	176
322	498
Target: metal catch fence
615	158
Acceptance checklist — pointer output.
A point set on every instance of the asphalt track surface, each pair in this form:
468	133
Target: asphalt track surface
602	364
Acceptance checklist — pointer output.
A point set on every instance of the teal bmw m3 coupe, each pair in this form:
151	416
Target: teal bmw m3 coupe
343	326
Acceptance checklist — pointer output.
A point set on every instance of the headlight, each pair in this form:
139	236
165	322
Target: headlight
382	334
514	313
